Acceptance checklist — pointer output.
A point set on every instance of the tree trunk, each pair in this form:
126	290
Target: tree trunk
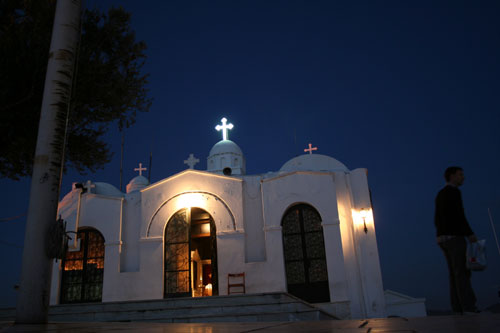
34	291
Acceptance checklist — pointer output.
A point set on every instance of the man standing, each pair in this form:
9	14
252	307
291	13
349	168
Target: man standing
451	230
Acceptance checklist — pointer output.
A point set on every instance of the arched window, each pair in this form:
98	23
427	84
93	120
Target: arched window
304	251
83	270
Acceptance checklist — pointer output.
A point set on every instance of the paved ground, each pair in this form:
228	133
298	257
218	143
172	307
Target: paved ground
488	323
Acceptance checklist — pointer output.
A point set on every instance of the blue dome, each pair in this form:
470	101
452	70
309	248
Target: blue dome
137	183
313	162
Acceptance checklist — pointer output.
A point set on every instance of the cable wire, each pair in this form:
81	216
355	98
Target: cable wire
7	219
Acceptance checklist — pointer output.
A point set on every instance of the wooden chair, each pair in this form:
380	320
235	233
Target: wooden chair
240	285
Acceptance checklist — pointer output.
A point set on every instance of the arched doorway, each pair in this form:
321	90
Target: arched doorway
190	254
83	270
304	251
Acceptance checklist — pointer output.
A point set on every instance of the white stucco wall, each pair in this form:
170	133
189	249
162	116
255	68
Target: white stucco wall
197	189
318	190
367	251
219	195
352	268
129	256
255	249
247	212
103	213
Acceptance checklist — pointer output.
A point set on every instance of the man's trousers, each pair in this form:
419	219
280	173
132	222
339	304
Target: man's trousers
461	293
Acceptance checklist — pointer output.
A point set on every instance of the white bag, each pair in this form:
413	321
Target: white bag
476	256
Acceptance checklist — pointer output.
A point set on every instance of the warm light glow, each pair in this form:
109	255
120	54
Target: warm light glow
77	265
362	218
208	289
98	263
190	200
73	265
224	128
205	228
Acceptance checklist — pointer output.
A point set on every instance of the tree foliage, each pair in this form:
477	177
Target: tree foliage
109	86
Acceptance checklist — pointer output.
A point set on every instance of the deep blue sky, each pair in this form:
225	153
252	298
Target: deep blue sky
402	88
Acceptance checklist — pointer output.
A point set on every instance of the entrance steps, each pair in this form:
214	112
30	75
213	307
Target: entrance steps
230	308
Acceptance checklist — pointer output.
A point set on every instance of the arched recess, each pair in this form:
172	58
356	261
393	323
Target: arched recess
190	254
304	254
215	206
83	270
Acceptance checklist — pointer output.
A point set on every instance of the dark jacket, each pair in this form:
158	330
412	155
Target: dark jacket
449	217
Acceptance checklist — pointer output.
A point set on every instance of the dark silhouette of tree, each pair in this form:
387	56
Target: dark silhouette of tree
109	88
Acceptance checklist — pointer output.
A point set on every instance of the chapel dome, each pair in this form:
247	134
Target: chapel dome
225	146
137	183
106	189
313	162
226	158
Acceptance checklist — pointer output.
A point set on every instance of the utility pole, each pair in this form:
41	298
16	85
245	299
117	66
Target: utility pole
34	291
121	159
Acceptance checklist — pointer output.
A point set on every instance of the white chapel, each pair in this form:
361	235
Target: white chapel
306	229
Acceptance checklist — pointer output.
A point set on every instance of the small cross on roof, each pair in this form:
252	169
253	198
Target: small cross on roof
140	169
191	161
310	149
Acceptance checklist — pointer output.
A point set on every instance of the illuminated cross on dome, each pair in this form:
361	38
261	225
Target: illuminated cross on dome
310	150
140	169
191	161
224	128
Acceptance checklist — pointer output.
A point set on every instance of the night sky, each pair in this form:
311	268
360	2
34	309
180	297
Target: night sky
402	88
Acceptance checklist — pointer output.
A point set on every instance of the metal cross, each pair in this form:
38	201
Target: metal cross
140	169
310	150
191	161
224	128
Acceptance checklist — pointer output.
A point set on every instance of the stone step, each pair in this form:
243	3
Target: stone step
160	313
173	303
231	308
307	315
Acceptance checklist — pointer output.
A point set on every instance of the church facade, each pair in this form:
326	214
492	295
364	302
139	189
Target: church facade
306	229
